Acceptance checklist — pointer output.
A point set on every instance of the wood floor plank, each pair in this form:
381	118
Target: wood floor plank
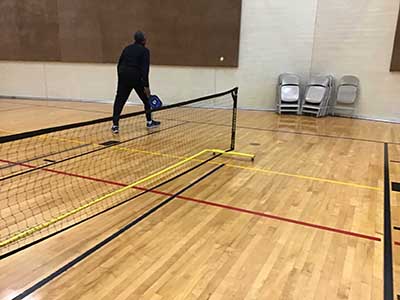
229	246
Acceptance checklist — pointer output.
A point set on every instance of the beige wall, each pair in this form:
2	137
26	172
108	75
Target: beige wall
274	39
318	36
356	37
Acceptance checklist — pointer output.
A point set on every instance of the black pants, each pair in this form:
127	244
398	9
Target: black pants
127	81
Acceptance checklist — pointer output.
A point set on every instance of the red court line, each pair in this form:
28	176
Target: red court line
82	176
275	217
397	243
214	204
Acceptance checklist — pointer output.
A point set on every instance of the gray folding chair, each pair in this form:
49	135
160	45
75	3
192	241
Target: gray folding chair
346	95
288	98
317	98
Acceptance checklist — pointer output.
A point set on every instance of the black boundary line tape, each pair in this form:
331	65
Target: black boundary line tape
320	135
55	106
30	134
89	152
110	142
395	186
299	133
92	250
43	156
396	227
49	160
12	109
388	251
395	161
10	253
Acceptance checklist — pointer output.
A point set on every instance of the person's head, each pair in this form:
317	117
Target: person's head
140	38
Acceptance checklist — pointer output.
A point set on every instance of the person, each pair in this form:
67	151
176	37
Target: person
133	73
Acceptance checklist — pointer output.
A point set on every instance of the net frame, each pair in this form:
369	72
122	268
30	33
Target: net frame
41	132
34	133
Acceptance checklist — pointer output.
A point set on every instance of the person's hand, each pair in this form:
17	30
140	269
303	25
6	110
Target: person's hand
147	92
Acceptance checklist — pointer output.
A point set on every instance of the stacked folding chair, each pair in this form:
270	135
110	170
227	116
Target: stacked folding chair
288	95
317	98
346	95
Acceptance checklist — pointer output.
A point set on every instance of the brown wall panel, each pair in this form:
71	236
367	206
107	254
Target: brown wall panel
395	66
9	45
180	32
203	30
119	19
37	26
79	31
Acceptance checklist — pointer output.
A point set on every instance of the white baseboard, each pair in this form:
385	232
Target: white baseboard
108	101
369	118
356	116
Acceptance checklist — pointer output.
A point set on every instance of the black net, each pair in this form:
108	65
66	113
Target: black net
52	178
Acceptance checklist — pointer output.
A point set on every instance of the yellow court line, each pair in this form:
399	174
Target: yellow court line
260	170
6	131
63	216
115	147
307	177
266	171
146	152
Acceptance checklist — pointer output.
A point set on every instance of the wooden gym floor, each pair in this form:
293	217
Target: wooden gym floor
304	221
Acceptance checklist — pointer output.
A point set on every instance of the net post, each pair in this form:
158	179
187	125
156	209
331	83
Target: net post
234	117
